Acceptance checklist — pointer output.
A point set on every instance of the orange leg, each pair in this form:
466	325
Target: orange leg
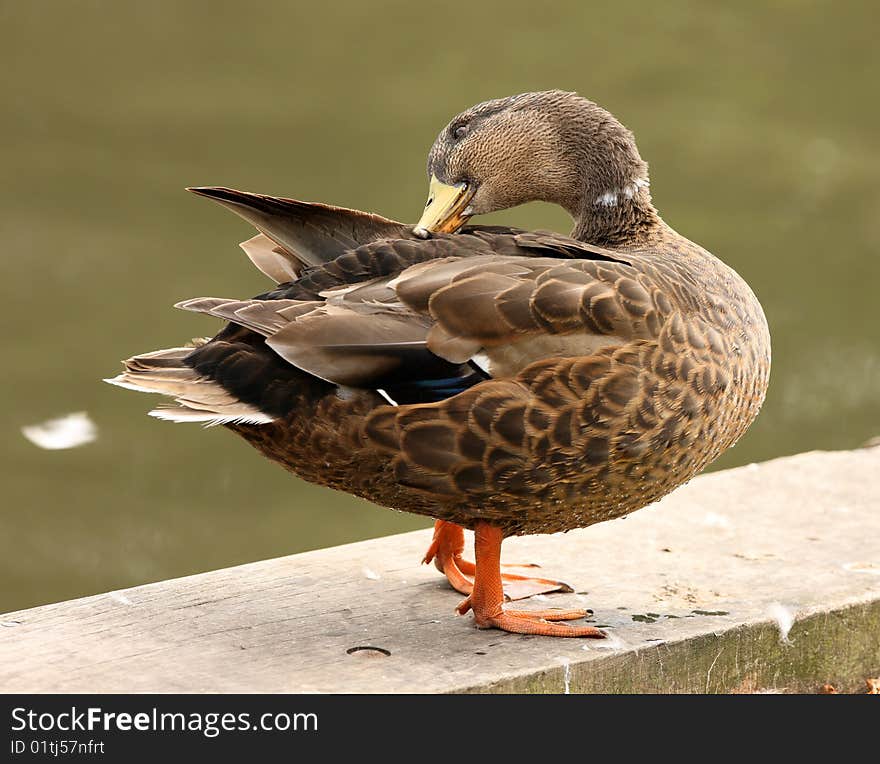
446	550
487	597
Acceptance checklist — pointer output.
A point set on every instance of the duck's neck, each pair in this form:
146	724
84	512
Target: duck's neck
619	218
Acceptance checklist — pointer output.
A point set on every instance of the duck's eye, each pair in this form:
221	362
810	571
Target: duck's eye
459	132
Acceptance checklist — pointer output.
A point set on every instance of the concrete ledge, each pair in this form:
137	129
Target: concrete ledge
765	577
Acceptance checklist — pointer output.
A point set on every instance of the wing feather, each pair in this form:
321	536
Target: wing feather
313	233
378	309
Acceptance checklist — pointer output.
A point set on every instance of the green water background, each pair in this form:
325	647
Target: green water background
759	120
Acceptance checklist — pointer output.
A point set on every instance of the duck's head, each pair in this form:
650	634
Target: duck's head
550	146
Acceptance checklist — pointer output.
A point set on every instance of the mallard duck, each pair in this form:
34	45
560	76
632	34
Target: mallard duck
505	381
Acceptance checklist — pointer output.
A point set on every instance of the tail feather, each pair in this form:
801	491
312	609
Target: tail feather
198	398
209	419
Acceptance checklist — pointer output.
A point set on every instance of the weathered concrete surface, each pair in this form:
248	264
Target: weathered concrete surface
695	592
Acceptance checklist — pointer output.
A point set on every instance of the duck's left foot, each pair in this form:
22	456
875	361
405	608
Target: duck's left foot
537	622
486	599
445	552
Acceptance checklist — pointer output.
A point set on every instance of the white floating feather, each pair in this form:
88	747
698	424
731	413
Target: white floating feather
784	618
69	431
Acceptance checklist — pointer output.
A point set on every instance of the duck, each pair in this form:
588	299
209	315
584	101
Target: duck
495	379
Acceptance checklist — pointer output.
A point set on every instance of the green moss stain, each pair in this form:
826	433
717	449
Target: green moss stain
839	647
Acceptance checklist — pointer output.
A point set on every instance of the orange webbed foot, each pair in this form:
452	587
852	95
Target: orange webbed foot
487	597
538	622
446	551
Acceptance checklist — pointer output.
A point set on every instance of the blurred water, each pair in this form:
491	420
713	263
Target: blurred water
759	121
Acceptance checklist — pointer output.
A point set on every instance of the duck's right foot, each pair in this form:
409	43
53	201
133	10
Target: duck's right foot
486	599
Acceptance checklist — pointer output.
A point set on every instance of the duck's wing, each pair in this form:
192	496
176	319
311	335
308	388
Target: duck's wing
409	316
518	308
240	369
294	234
235	376
411	310
349	342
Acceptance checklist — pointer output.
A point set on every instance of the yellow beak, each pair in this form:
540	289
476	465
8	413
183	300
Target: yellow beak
446	210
